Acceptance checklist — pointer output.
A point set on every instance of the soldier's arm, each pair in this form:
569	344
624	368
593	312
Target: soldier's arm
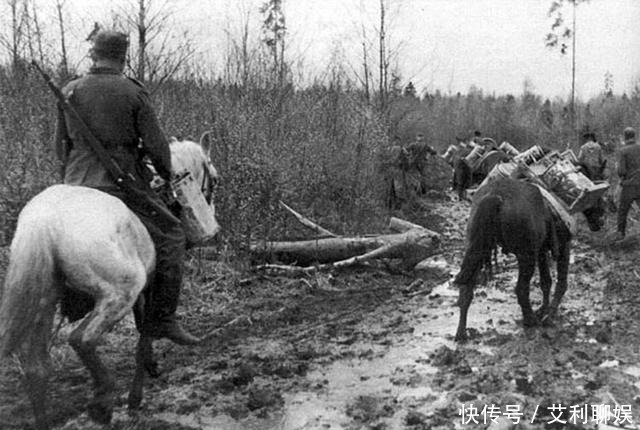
154	142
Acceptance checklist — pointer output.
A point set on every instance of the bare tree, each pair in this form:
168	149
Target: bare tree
64	62
559	37
37	32
383	60
377	48
159	53
142	24
365	65
28	31
241	55
23	37
274	28
14	40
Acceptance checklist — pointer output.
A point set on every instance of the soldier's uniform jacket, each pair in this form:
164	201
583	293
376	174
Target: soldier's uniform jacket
418	154
629	164
591	155
118	111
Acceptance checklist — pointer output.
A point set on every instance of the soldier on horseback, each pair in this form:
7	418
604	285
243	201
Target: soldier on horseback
119	112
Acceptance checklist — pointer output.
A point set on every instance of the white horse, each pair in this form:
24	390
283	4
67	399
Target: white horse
89	241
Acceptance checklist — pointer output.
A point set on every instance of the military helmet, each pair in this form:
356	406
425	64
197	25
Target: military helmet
110	44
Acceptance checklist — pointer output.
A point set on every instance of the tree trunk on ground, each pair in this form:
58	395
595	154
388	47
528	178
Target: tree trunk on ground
412	246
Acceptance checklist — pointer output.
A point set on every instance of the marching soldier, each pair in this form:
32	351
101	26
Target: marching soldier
590	156
629	172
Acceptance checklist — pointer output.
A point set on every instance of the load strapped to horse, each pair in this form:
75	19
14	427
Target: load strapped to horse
563	185
472	164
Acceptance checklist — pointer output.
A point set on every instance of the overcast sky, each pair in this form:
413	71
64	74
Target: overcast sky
441	44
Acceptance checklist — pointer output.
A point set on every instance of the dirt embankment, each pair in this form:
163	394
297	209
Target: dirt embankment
372	348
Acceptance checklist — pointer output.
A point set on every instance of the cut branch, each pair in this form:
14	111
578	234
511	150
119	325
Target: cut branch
308	223
400	225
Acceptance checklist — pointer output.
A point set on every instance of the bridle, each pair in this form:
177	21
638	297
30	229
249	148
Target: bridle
208	182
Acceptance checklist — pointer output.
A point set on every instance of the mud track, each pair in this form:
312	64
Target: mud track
370	348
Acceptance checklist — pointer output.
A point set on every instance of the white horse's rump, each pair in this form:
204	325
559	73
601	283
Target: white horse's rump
78	236
89	241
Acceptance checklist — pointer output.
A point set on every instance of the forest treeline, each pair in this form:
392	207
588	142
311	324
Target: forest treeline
322	148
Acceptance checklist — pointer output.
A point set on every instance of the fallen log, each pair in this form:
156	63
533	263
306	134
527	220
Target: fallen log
412	246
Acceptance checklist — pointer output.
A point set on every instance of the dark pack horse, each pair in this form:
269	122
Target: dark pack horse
513	214
81	239
464	177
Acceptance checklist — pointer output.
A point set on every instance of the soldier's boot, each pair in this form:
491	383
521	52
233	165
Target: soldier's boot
160	321
171	329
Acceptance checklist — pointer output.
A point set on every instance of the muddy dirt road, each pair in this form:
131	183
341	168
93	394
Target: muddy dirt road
371	348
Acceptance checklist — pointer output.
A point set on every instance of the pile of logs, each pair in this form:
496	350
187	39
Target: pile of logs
411	243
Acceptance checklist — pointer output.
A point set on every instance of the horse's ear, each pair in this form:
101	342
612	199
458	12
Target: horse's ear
173	139
206	141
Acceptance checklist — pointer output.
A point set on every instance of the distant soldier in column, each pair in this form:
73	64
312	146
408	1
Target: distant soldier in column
629	172
591	157
454	150
396	165
419	151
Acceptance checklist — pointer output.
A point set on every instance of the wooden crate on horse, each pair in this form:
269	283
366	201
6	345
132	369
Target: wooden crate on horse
574	188
561	176
565	189
557	173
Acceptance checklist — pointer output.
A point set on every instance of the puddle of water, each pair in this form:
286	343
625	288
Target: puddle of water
633	371
347	379
404	363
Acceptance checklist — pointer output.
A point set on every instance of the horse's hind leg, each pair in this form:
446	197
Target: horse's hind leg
464	301
564	252
526	267
545	284
144	354
109	309
34	357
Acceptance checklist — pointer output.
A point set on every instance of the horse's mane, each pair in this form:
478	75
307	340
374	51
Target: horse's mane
186	155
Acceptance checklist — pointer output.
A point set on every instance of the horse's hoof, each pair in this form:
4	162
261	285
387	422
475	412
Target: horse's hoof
152	369
135	400
547	322
100	411
547	319
541	313
531	321
461	337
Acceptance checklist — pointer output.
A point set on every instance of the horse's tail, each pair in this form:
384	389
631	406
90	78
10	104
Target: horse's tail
30	277
482	239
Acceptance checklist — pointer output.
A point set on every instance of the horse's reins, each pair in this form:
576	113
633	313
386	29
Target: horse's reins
207	183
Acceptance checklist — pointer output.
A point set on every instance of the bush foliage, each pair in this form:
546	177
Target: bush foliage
320	149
